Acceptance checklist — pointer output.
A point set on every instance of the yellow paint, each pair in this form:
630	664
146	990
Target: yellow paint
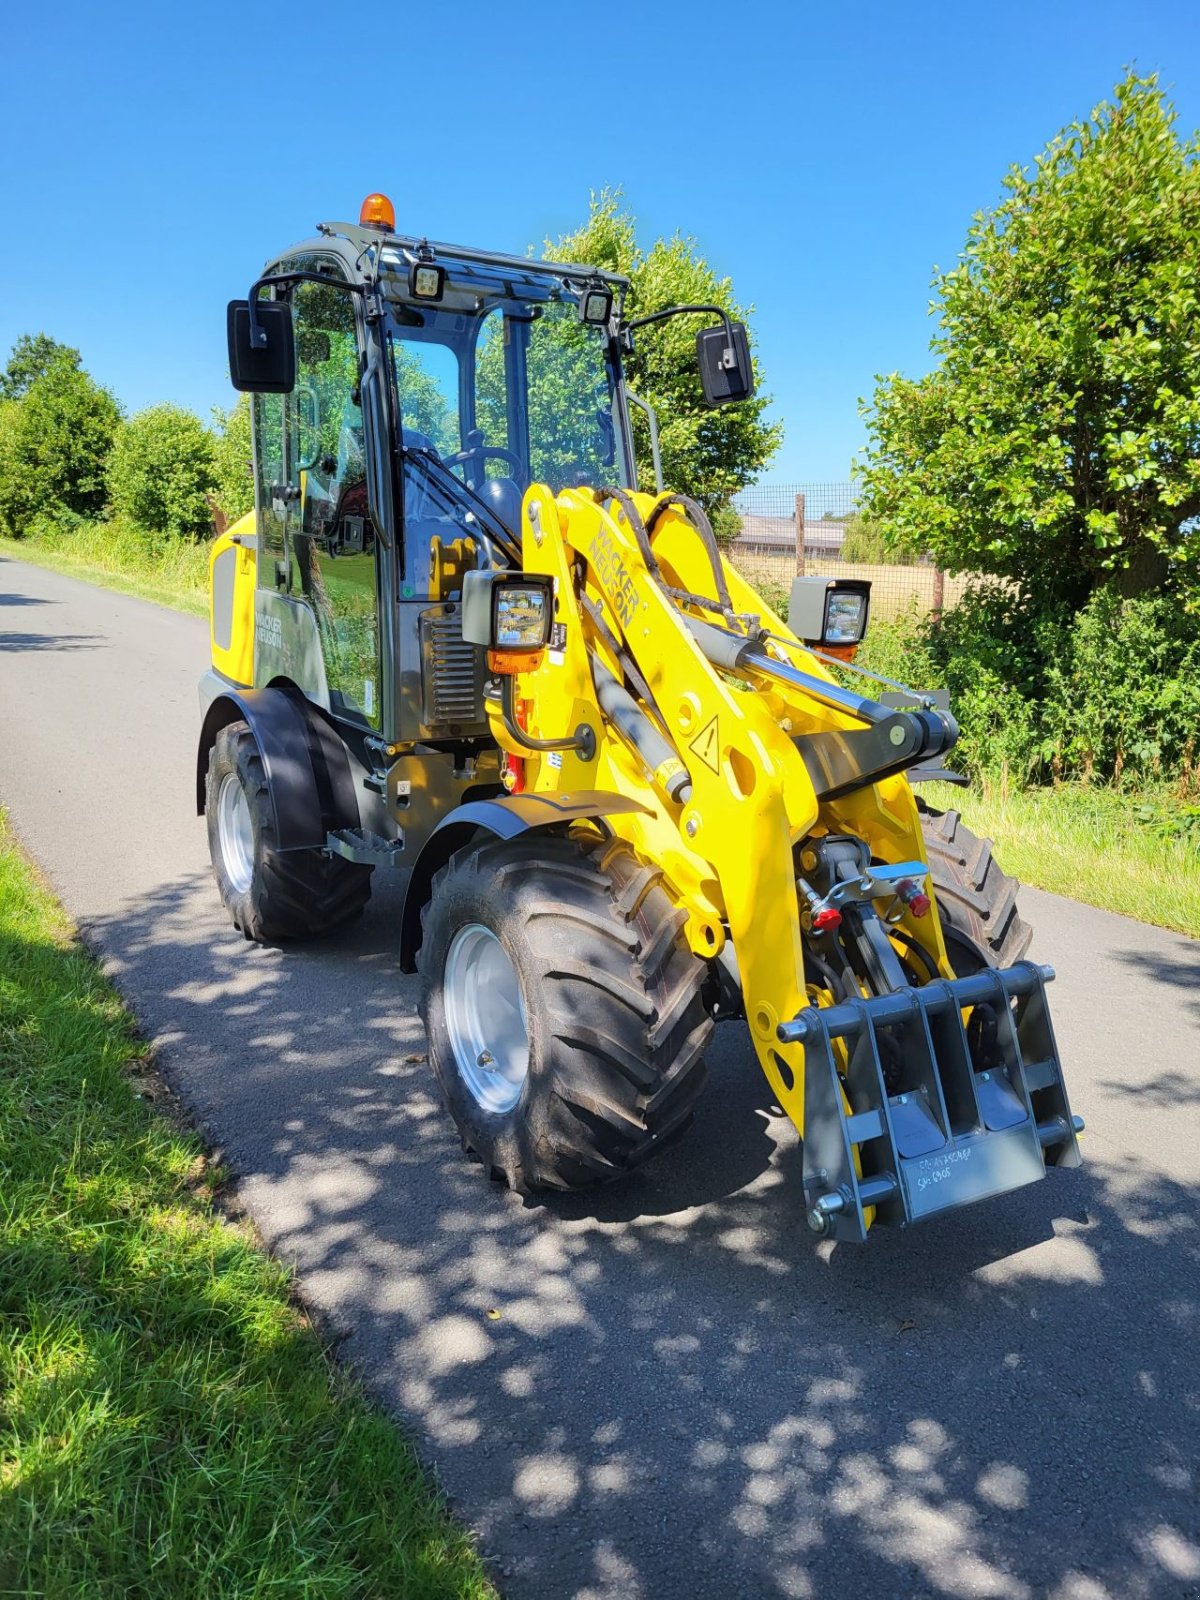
237	661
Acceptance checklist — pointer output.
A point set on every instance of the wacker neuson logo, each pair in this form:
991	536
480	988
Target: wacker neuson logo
269	631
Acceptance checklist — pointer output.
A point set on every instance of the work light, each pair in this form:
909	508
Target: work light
511	613
426	281
595	306
830	613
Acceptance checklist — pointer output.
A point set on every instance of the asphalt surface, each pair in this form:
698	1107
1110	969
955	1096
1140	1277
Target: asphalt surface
682	1395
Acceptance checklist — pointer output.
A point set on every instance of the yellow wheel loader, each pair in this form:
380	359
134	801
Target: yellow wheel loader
628	799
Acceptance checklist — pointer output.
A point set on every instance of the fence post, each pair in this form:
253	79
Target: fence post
799	517
939	593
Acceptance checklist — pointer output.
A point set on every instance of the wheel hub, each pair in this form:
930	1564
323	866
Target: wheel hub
485	1018
235	833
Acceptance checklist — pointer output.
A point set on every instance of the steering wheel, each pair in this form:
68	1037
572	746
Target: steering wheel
477	450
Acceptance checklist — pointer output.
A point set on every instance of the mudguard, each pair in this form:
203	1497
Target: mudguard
505	817
309	781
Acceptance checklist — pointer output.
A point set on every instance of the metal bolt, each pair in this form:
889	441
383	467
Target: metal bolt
903	1099
691	827
897	735
486	1060
987	1077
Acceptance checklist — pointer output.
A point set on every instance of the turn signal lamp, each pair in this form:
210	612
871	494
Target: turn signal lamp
378	212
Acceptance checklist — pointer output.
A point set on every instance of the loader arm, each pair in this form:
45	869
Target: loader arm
728	850
748	759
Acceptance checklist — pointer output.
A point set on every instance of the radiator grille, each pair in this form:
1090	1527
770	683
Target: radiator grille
452	673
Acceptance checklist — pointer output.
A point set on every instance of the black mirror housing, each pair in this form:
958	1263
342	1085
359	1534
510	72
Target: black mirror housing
271	368
726	371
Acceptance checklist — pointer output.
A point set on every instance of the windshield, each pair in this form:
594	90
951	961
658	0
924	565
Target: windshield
503	381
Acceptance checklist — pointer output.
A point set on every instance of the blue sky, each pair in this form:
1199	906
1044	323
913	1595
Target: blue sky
826	157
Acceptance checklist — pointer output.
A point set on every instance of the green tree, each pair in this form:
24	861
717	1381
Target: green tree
54	446
708	453
233	464
32	355
1057	440
162	469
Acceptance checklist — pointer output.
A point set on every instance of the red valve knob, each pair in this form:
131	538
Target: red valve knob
919	904
828	917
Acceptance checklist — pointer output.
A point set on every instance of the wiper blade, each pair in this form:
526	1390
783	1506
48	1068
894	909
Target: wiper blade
495	529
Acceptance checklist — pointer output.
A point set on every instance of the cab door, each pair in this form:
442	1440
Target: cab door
330	538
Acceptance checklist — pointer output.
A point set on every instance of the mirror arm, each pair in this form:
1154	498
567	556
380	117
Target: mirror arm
258	334
729	361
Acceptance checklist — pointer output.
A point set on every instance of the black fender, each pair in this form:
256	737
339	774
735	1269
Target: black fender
504	817
308	772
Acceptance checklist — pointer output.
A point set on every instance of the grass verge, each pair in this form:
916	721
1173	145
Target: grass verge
169	1422
1112	850
176	577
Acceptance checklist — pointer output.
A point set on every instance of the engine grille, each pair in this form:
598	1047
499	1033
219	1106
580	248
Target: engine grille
452	675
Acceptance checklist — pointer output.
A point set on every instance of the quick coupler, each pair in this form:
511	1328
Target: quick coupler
929	1098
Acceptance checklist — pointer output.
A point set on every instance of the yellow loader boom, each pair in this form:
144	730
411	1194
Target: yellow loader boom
733	818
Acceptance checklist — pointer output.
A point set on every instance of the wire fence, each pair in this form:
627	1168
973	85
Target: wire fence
817	528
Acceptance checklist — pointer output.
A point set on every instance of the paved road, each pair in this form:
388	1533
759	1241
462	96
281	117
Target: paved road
682	1396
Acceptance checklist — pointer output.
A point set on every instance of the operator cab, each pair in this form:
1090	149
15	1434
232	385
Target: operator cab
429	386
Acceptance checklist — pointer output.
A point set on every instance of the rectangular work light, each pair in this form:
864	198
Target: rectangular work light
829	613
595	306
511	614
426	280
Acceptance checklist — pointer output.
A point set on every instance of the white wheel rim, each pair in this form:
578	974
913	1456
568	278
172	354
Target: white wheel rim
485	1018
235	833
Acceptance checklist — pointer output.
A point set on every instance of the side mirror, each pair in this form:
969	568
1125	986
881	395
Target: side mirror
726	371
271	367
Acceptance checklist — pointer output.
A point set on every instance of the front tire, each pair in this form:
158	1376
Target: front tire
563	1009
271	895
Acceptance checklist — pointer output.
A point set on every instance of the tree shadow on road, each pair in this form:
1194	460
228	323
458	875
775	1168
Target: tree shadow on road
666	1388
51	641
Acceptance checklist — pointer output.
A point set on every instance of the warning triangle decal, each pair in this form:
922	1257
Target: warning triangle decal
706	745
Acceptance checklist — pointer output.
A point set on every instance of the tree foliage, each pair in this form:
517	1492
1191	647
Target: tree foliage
1057	441
32	355
54	439
233	466
708	453
162	468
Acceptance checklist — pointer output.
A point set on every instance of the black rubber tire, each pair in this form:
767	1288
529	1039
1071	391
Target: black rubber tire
293	894
612	995
975	897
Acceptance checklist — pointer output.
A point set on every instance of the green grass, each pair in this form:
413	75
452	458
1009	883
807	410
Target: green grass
176	577
1128	853
169	1422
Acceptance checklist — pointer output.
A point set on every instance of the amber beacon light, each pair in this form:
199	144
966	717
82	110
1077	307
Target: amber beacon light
378	212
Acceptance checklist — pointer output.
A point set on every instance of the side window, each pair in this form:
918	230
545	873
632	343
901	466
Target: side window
427	383
332	537
491	380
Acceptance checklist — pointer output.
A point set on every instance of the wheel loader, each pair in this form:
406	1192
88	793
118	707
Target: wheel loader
627	799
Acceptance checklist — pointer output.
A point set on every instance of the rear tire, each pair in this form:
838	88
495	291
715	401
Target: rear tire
271	895
605	1064
976	899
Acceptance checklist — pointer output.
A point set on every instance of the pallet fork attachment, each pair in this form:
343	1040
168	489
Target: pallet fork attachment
953	1133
